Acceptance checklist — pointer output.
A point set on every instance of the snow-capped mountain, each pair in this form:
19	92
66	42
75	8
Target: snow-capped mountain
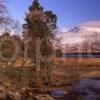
80	32
82	38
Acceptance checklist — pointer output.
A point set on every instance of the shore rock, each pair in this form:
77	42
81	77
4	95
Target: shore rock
44	97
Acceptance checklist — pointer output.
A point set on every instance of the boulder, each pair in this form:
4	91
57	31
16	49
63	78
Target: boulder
17	95
44	97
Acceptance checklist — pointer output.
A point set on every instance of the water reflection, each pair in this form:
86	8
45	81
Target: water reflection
81	55
62	95
88	89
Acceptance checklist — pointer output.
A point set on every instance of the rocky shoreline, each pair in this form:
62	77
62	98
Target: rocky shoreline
8	92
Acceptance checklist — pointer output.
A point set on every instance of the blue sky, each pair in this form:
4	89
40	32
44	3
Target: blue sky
69	12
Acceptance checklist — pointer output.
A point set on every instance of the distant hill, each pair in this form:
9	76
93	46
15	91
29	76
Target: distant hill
82	38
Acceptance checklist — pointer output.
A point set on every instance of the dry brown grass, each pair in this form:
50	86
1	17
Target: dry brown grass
78	61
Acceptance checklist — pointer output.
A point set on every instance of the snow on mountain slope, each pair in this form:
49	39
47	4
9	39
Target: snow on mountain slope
93	24
77	34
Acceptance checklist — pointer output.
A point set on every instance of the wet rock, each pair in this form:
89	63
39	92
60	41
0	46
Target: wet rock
44	97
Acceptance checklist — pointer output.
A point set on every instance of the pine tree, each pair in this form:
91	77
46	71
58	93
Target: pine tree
39	24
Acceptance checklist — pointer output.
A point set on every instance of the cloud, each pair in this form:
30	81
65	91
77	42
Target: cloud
64	29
